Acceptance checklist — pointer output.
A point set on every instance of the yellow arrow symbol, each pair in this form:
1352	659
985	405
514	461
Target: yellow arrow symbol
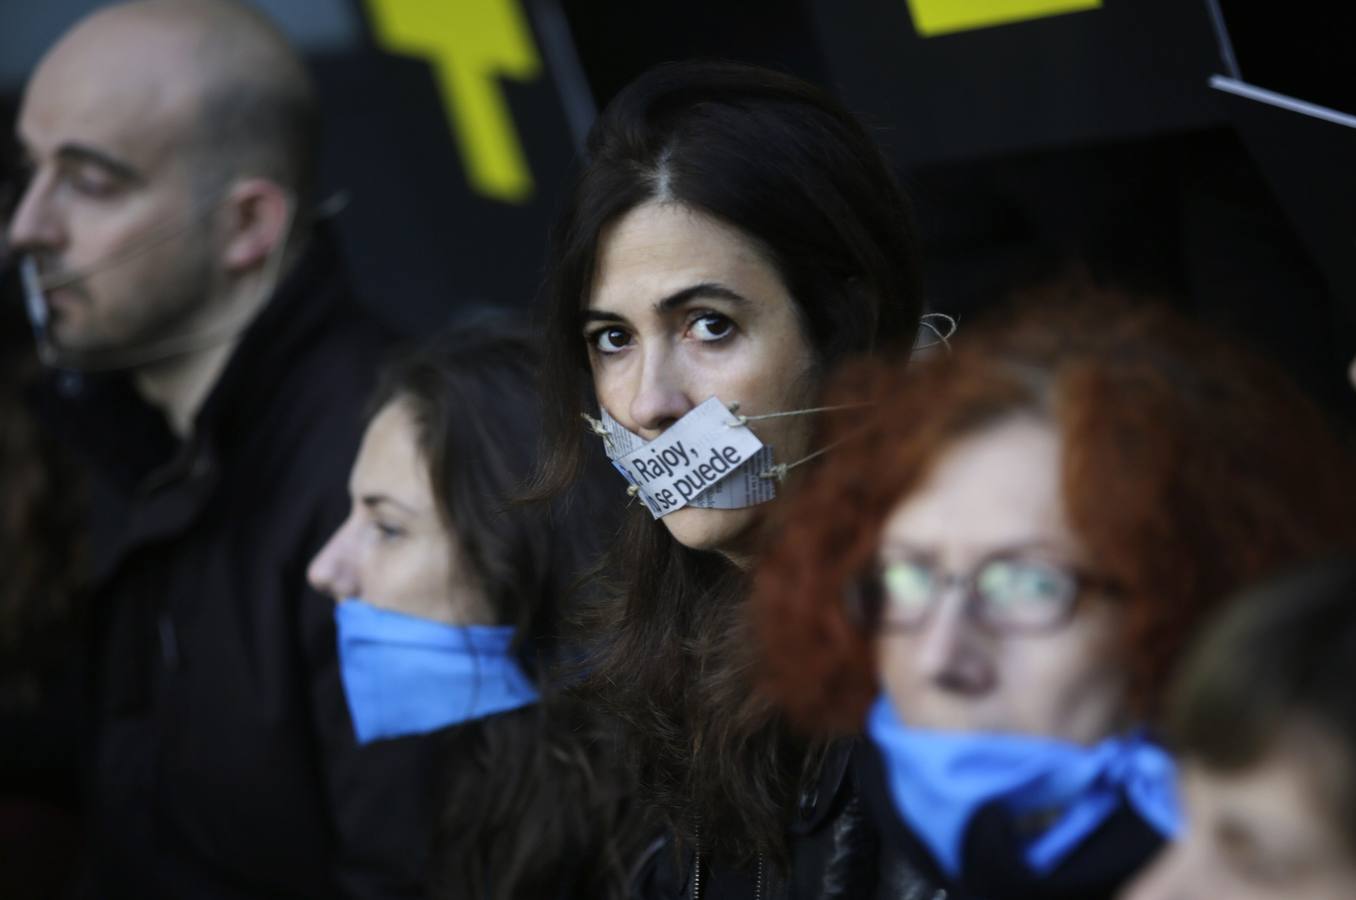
471	44
934	17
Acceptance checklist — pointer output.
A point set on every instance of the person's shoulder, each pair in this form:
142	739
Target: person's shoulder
328	325
826	791
331	376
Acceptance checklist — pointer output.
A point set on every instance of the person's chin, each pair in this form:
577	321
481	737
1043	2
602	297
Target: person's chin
718	530
955	716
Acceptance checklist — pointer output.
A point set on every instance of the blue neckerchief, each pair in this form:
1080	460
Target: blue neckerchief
940	780
406	675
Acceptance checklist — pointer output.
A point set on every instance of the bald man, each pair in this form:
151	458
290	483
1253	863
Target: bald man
171	263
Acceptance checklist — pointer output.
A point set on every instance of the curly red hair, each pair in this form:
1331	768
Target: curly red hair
1190	468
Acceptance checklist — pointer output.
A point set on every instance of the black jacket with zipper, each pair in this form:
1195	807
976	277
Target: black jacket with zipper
223	758
835	853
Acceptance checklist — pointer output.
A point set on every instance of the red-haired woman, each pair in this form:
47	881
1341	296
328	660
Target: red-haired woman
1014	541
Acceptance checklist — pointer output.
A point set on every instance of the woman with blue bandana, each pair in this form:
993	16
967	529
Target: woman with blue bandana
449	597
996	573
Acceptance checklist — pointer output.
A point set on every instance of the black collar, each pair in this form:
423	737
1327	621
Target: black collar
304	304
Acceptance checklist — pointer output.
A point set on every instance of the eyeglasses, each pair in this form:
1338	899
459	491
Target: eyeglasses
1009	591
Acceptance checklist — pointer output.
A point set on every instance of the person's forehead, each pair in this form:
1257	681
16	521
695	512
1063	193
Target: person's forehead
390	462
996	487
657	246
131	93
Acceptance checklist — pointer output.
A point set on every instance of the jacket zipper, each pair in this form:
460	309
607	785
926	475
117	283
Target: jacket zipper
697	872
697	866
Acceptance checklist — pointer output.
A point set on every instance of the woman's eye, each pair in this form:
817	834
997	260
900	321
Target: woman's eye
389	532
609	340
711	327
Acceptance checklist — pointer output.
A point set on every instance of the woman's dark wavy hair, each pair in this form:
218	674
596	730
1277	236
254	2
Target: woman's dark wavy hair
531	805
786	165
42	554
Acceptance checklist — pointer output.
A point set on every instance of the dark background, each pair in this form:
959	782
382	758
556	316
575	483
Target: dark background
1093	136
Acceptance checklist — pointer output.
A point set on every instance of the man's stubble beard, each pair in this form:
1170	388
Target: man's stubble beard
166	301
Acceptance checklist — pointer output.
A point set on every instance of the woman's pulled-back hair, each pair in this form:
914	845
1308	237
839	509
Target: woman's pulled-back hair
1274	672
784	164
472	392
531	804
1189	468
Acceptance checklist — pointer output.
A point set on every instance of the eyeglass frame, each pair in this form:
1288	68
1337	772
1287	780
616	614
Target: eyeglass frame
1084	581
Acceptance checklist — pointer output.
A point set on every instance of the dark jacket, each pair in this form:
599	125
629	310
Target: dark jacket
993	868
224	761
835	853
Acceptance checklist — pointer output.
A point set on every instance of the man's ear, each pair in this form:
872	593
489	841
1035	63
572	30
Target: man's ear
258	216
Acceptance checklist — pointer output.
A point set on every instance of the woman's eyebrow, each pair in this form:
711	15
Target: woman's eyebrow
372	501
902	548
601	315
1003	549
711	289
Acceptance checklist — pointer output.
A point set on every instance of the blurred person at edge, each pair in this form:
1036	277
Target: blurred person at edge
1000	566
450	597
1262	718
42	663
214	368
734	233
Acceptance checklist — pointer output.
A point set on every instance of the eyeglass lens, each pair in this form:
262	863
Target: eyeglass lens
1006	593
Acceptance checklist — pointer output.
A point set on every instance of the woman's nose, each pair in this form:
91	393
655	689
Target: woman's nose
951	656
333	571
661	396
